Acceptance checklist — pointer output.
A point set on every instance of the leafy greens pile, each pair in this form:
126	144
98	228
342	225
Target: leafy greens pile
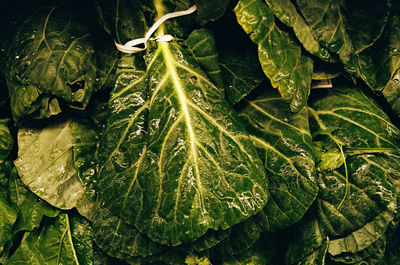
210	148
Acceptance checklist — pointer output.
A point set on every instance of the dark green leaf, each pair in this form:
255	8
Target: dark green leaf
123	20
8	216
287	12
362	238
241	72
345	27
284	142
50	58
210	10
371	255
52	243
31	209
202	43
119	239
357	201
379	63
81	234
308	244
281	58
6	140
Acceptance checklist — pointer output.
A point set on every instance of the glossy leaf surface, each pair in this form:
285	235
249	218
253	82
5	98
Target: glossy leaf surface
55	62
284	141
202	43
53	243
46	163
287	12
241	73
281	58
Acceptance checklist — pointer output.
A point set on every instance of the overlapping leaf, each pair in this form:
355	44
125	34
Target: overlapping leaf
345	27
287	12
54	62
358	199
284	142
202	43
55	242
241	73
281	58
31	209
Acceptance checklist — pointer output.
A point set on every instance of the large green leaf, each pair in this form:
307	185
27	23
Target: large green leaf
241	72
205	172
56	242
202	43
124	241
281	58
362	238
287	12
200	170
284	142
51	160
50	58
267	250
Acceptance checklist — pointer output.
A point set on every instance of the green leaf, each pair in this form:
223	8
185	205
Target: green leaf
345	27
308	244
198	152
379	63
81	234
8	216
267	250
53	243
49	163
281	58
362	238
357	201
31	209
241	72
202	44
284	141
330	160
106	60
119	239
121	147
123	20
50	58
210	11
201	172
6	140
288	14
370	255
